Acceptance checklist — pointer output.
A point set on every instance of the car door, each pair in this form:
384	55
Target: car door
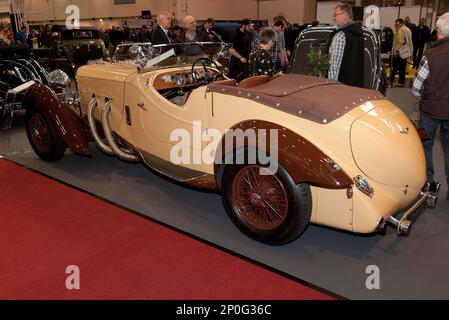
159	124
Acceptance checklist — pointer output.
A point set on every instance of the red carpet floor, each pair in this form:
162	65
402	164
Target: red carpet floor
46	226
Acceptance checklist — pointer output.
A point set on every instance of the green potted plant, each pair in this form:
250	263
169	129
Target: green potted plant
318	63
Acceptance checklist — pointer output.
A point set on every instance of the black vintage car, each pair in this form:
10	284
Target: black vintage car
18	71
318	38
386	39
78	46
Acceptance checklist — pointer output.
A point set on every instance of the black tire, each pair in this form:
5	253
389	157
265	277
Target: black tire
249	211
47	143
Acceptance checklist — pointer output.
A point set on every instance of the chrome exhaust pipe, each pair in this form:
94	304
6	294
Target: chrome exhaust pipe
93	128
427	198
432	198
119	152
402	226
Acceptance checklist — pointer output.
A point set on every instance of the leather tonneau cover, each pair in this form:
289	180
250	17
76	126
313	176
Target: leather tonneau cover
316	99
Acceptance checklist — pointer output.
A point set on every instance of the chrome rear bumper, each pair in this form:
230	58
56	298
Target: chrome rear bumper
427	198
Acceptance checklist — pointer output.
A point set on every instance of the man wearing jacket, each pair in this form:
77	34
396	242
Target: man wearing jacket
422	37
241	48
399	64
160	34
431	87
346	49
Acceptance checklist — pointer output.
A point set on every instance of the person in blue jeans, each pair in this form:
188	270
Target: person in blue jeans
431	86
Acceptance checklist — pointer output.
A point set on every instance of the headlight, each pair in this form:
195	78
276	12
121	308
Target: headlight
59	78
136	52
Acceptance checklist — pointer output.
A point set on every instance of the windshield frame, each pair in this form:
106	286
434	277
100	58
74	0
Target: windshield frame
143	60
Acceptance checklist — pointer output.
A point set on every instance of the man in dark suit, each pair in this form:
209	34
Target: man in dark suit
160	34
422	37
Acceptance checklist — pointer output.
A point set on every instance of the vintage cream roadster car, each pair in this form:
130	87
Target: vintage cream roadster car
284	152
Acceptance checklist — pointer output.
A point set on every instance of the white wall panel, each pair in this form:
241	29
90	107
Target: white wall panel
270	8
85	8
388	15
59	6
55	9
4	6
102	8
297	10
125	10
412	11
325	10
217	9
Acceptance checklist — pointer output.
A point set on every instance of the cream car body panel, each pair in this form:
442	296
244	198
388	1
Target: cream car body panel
154	121
105	81
387	127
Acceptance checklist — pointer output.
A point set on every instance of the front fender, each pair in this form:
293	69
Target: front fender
304	162
63	119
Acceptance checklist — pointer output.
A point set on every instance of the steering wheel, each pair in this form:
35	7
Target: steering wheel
209	76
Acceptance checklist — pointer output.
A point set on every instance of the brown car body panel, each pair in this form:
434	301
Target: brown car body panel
303	161
71	128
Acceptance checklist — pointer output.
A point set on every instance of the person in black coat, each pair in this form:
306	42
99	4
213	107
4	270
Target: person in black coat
160	34
260	60
142	36
115	36
422	37
208	33
241	48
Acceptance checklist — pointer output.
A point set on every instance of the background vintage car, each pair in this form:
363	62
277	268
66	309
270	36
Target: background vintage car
78	46
386	39
344	158
319	37
16	69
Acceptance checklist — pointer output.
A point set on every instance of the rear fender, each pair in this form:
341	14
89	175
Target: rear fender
304	162
71	128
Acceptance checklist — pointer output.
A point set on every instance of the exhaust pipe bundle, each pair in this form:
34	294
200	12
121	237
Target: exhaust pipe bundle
111	148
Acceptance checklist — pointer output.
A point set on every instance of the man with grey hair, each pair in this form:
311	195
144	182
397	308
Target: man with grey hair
346	48
431	87
190	33
160	34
